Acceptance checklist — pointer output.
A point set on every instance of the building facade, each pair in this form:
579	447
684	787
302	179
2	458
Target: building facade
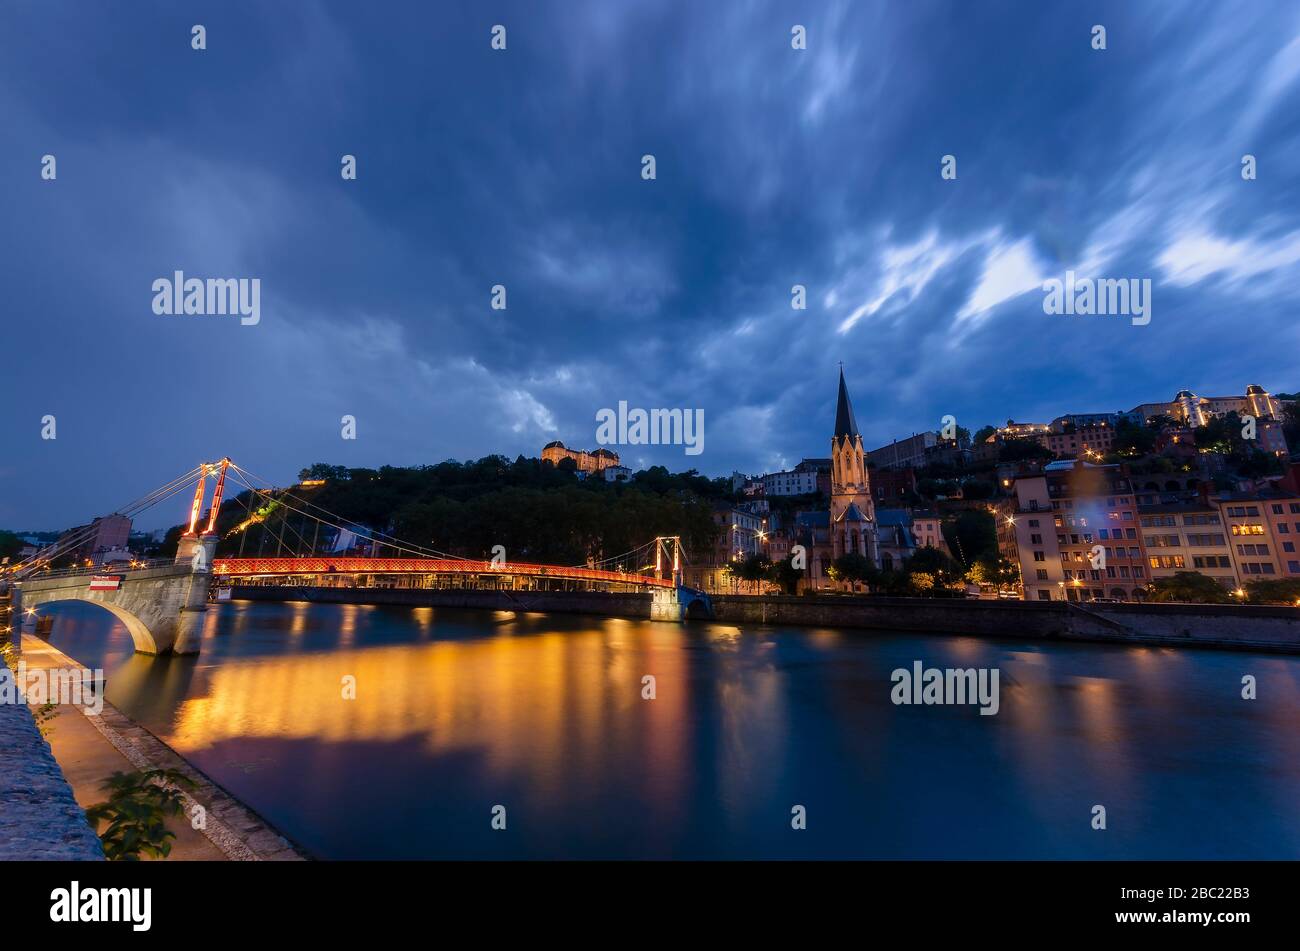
904	452
740	534
1188	408
109	533
927	530
793	482
594	461
1187	536
1073	532
1262	531
1094	440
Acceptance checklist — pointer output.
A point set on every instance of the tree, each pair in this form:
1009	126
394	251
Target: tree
992	569
1274	591
932	488
785	575
322	470
754	569
1133	440
1022	450
10	545
932	561
1291	419
137	809
983	433
1188	586
922	582
972	536
853	568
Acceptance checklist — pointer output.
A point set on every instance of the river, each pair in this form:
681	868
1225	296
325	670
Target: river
459	712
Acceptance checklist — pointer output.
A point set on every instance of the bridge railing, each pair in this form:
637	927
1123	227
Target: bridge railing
236	567
114	568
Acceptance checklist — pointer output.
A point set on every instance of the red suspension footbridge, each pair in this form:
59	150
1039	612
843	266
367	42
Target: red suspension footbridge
158	600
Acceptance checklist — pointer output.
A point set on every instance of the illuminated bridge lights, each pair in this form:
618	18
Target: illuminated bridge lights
244	567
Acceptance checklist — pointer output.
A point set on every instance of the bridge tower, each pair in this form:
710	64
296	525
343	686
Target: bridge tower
197	551
678	602
668	548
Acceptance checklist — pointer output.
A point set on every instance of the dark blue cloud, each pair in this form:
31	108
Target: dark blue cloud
775	167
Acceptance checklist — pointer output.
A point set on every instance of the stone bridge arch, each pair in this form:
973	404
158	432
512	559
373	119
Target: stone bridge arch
161	607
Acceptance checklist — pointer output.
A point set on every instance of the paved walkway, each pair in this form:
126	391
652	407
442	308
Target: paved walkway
90	748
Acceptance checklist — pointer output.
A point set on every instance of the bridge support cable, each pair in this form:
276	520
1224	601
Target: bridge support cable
634	556
80	536
631	562
343	524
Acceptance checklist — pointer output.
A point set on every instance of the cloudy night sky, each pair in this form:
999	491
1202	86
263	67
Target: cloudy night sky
523	168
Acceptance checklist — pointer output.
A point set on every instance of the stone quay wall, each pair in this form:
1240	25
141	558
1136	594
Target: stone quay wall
1230	626
39	818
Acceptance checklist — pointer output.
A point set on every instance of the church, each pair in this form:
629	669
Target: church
850	524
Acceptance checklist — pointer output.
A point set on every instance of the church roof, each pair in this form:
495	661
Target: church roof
845	424
885	516
853	514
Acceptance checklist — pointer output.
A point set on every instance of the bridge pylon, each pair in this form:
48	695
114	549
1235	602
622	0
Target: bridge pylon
679	602
668	550
188	549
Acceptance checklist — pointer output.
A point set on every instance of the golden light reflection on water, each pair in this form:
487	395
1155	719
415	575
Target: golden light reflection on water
298	619
743	720
548	706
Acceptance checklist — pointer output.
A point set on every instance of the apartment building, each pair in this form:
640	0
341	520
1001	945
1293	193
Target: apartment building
793	482
1095	440
1073	531
927	531
1187	536
902	453
741	534
1263	529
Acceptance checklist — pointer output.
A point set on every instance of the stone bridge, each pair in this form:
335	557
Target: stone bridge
161	606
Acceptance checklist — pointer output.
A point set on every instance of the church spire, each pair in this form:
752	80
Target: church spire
845	424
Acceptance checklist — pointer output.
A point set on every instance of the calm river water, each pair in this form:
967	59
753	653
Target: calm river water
457	712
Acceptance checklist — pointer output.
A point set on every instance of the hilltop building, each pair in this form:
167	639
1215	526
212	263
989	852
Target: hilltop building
594	461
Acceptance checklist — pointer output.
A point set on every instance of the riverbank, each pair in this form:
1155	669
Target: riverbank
40	819
90	747
1224	627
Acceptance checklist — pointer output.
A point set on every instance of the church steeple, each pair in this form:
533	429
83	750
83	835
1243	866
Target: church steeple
845	424
852	515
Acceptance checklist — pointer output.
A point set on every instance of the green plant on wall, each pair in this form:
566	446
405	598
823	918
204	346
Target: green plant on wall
41	713
136	812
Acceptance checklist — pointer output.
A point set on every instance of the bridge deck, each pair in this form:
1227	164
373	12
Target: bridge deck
248	567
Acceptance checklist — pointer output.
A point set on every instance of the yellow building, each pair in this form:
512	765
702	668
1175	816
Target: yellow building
1187	536
595	461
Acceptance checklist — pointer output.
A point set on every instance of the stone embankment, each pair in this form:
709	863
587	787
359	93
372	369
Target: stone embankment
1228	626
